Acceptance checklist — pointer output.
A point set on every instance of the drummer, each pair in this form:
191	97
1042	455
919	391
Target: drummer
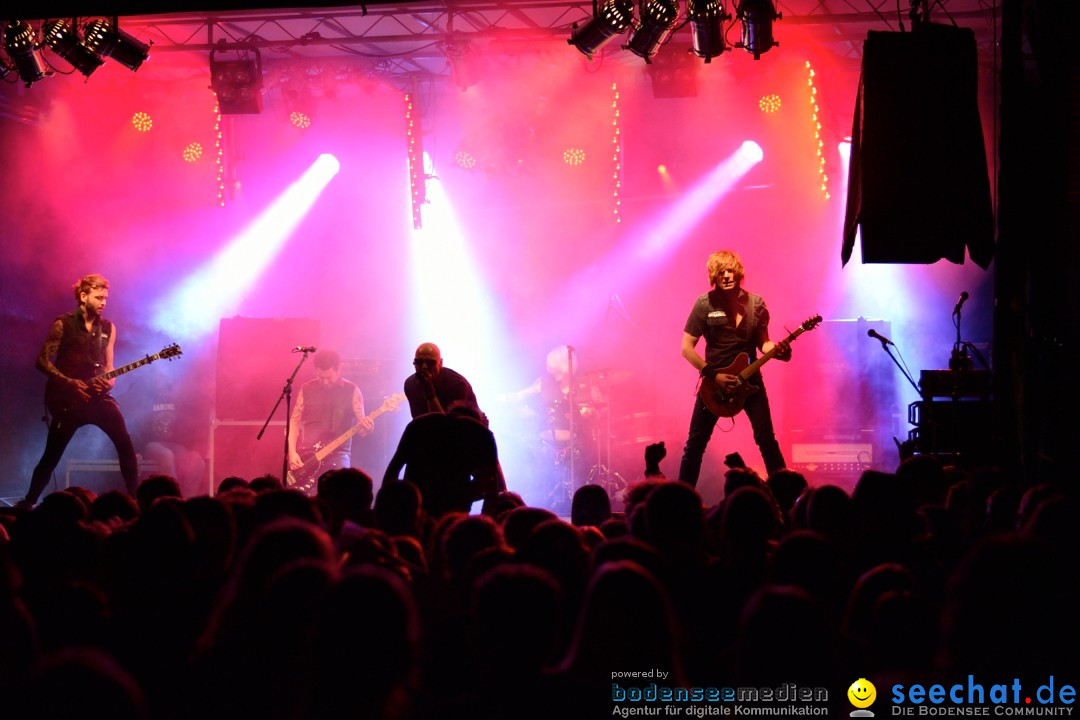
553	390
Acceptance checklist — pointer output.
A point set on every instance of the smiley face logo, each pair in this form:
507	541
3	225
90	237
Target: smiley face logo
862	693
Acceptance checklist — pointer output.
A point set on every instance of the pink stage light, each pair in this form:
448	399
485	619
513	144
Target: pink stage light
142	122
192	152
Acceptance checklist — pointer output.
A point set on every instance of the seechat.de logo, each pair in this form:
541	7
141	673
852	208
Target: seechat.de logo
862	695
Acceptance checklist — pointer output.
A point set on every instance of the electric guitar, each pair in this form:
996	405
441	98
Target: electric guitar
303	478
727	403
61	397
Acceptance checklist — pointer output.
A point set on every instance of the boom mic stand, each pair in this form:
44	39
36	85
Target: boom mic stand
286	395
903	448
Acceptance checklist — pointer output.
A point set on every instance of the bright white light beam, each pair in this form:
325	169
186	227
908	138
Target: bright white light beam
196	305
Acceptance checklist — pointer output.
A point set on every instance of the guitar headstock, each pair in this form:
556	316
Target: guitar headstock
811	322
393	402
171	351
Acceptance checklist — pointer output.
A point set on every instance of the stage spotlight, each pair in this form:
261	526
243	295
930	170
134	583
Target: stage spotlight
465	160
466	65
142	122
657	22
612	20
238	84
103	37
707	18
60	36
20	46
573	156
757	18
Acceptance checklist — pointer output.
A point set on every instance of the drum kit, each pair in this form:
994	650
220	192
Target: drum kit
579	441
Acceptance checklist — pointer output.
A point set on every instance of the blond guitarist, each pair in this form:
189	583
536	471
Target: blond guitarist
732	321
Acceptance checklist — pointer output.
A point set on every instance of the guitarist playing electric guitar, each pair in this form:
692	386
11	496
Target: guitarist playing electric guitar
82	342
326	408
732	321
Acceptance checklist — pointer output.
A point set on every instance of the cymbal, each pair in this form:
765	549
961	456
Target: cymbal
607	376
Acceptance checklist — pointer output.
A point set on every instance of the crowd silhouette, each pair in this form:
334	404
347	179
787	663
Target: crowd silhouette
262	602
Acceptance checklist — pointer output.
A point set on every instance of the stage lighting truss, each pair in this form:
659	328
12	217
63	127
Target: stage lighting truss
659	19
84	48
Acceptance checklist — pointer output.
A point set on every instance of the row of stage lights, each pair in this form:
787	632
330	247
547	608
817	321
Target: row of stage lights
84	47
659	19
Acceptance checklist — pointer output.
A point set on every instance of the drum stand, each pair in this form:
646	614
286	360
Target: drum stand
602	474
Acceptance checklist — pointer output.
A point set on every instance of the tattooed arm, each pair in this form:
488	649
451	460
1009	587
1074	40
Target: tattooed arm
45	364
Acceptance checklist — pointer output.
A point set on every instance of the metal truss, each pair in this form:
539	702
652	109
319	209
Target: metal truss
428	38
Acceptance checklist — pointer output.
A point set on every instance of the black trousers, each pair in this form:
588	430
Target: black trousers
103	412
703	421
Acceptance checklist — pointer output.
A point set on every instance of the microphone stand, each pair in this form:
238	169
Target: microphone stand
286	395
904	372
905	448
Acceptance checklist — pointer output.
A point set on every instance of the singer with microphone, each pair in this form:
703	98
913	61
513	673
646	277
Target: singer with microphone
433	388
326	408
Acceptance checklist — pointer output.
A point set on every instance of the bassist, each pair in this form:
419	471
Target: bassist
326	407
732	321
82	343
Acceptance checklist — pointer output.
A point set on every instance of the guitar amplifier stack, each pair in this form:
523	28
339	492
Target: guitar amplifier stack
955	416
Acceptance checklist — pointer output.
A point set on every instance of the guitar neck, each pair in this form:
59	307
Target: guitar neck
128	368
334	444
755	366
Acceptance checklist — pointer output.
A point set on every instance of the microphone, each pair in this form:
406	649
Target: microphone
305	348
884	340
963	298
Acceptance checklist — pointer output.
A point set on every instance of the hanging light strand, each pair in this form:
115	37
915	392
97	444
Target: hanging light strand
219	154
616	153
815	120
417	187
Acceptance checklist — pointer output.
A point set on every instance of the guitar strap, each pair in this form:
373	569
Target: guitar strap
752	306
103	325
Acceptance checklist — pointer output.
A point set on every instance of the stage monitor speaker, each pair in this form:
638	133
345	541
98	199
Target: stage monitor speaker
255	360
918	183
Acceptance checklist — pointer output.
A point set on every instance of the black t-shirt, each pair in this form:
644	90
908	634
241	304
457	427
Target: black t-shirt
328	412
450	386
723	341
441	452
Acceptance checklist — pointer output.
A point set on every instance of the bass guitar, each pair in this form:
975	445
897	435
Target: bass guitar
303	478
60	397
727	403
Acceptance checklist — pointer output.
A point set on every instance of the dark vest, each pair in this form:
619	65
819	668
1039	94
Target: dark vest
328	412
81	354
